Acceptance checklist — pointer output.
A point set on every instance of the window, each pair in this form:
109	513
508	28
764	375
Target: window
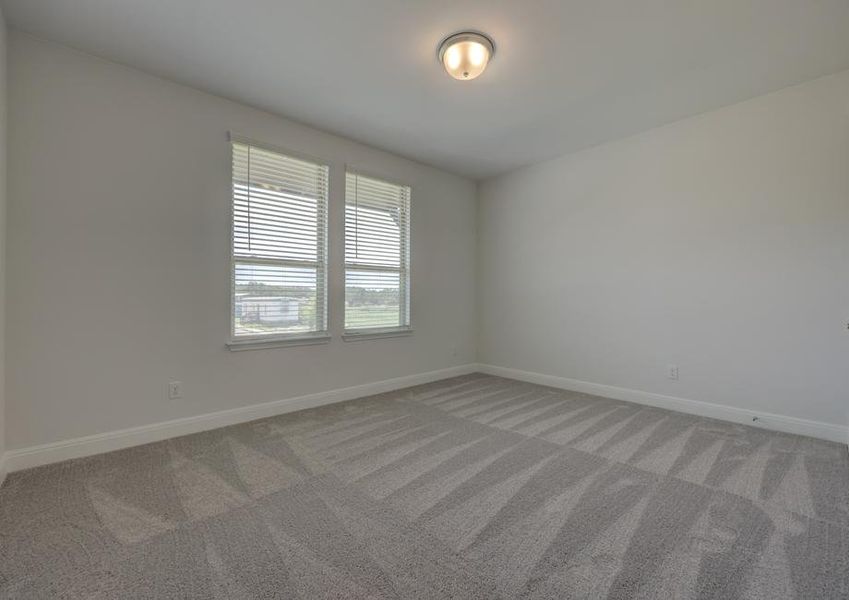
279	265
377	256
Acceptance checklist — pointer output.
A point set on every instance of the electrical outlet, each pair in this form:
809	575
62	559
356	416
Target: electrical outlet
175	390
672	372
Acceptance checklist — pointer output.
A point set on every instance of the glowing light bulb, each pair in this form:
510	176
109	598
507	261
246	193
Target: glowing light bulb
477	54
466	55
453	58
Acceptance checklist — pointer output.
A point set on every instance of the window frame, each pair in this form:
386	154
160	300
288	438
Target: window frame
405	251
273	340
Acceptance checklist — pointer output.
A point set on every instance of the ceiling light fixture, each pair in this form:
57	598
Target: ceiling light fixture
466	54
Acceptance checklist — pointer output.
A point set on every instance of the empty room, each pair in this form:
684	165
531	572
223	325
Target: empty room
424	299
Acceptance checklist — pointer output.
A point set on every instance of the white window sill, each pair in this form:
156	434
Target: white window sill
375	334
278	342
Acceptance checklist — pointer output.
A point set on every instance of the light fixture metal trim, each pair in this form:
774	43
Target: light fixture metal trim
461	37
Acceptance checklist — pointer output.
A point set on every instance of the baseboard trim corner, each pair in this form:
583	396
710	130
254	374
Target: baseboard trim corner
817	429
43	454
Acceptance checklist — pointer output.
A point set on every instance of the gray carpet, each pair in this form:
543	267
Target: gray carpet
473	487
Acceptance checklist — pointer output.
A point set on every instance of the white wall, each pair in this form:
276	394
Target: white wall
719	243
119	257
2	239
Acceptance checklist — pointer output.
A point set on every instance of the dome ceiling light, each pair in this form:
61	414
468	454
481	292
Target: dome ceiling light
466	54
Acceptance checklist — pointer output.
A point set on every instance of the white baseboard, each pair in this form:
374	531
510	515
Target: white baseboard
2	468
825	431
34	456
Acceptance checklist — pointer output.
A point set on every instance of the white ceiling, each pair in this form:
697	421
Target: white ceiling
567	74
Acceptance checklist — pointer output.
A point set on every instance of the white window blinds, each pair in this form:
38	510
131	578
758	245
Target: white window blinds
279	244
377	254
